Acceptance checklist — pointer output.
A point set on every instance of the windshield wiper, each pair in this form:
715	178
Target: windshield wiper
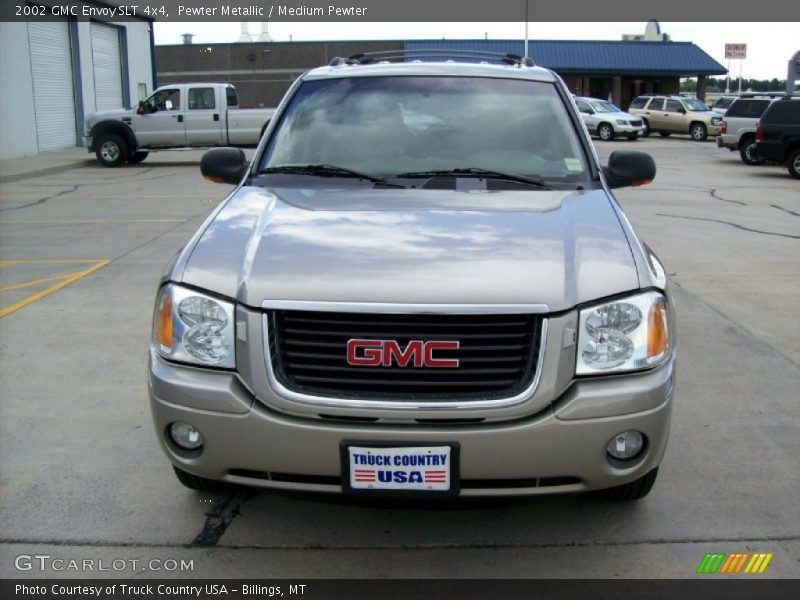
476	172
324	170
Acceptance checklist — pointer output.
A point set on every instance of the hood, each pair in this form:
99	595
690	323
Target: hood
109	114
558	248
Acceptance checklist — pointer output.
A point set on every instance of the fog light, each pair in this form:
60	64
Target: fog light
625	445
185	436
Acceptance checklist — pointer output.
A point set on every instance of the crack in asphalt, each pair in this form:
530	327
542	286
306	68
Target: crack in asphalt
220	518
42	200
742	227
791	212
428	546
713	193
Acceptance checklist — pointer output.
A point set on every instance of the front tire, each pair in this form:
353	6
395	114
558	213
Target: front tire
646	132
201	484
633	136
605	132
112	151
698	132
634	490
137	157
793	164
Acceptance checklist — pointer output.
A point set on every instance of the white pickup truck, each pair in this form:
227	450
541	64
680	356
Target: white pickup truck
175	116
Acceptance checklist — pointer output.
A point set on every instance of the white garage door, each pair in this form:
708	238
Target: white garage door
53	95
107	67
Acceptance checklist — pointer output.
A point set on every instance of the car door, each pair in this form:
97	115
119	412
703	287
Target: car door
160	123
675	117
203	117
654	113
588	115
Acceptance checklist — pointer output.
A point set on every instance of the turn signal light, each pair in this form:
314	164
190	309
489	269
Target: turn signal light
657	338
164	324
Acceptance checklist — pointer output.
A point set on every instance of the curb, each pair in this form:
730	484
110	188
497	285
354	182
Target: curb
45	171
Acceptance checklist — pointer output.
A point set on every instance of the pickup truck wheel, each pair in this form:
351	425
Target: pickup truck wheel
664	133
698	132
794	164
201	484
633	490
111	151
605	132
137	157
747	152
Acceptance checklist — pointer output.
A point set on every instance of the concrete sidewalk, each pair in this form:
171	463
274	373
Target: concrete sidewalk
14	169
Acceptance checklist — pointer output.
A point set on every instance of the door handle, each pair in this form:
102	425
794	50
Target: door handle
216	116
180	118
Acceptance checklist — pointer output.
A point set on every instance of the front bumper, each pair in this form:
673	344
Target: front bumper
562	448
629	129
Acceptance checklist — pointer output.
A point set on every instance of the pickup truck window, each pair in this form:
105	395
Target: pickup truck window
388	126
202	98
169	99
230	97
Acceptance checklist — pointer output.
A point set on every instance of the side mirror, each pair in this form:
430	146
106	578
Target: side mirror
224	165
682	111
629	168
140	110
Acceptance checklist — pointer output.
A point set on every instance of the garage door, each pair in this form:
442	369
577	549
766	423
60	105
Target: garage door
53	95
107	66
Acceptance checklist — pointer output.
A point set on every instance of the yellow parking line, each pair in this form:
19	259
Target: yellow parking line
92	221
44	261
65	282
32	282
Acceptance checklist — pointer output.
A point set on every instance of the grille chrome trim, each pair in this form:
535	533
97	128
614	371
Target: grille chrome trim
316	401
410	309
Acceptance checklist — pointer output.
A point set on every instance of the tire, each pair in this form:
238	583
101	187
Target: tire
201	484
633	136
746	148
112	150
664	133
698	132
646	132
631	491
793	164
137	157
605	132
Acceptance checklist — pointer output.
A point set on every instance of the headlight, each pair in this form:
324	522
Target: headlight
623	335
621	122
193	327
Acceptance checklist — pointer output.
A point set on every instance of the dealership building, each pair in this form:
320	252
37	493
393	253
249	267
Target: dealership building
621	70
53	72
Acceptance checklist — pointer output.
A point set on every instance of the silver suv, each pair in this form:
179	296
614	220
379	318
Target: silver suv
421	285
607	121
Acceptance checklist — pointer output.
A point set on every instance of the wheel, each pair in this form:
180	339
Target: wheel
633	490
605	132
201	484
111	151
137	157
646	132
793	164
664	133
698	132
747	152
633	136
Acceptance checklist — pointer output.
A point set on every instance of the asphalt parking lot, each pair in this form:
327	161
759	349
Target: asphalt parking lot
83	478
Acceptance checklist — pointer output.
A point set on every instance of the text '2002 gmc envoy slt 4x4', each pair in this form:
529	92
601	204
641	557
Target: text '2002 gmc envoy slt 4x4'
421	286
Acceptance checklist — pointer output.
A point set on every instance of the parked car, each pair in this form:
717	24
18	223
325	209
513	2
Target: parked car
675	114
778	135
423	285
607	121
738	130
176	116
722	104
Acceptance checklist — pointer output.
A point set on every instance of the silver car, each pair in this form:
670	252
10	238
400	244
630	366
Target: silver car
607	121
421	285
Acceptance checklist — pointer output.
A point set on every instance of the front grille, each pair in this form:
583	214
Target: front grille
636	122
497	354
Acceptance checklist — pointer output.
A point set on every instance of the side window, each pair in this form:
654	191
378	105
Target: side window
747	108
584	107
201	99
639	102
673	106
656	104
230	97
785	112
165	100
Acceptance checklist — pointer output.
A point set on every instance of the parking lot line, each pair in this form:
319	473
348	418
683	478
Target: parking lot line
64	280
87	221
32	282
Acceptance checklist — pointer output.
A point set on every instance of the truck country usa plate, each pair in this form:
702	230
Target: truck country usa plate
398	468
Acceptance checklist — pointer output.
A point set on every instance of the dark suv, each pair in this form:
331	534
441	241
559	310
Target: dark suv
778	135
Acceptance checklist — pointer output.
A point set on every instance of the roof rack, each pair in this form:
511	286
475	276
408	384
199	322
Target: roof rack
365	58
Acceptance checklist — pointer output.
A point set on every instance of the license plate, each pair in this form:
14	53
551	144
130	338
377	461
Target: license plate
398	468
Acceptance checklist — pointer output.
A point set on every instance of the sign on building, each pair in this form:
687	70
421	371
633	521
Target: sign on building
736	51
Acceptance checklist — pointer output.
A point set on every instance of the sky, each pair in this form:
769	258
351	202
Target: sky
769	45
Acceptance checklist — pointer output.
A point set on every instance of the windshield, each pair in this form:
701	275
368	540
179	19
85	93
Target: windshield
605	107
387	126
695	105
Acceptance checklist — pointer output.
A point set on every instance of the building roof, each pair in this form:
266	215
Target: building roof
681	59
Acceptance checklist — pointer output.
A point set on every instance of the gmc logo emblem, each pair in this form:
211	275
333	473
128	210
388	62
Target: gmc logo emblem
385	353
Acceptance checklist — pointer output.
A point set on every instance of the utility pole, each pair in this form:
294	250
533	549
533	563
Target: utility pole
526	29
